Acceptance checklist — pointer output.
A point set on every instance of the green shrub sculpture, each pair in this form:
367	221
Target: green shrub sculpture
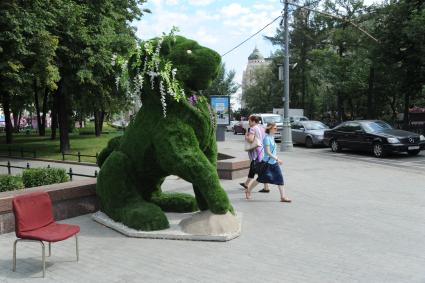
170	135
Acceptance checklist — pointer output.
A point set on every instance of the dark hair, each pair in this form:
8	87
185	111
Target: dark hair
254	118
269	127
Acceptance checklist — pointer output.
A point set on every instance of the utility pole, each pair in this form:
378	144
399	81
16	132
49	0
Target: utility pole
286	143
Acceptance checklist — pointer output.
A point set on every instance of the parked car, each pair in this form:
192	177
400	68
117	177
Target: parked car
238	128
297	118
309	133
229	128
266	118
375	136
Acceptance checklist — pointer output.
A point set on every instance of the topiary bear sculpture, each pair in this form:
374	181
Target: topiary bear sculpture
170	135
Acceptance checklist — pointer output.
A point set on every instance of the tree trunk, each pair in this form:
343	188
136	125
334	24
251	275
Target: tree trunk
97	130
102	118
406	110
371	94
42	126
16	120
6	109
54	116
37	105
63	119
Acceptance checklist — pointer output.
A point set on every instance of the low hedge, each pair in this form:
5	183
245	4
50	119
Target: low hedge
35	177
10	183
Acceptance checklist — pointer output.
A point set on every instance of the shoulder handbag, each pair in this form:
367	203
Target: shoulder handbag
261	166
252	145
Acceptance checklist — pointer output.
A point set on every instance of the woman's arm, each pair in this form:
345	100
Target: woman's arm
249	136
269	153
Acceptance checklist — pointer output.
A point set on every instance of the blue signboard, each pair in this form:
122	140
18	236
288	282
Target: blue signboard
221	107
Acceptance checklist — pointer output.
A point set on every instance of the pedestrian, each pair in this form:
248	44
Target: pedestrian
256	154
272	174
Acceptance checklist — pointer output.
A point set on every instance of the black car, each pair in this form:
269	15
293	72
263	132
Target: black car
375	136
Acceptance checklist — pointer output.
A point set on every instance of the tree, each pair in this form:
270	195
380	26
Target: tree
266	93
224	84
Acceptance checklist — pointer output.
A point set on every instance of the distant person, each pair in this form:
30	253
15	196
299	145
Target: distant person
255	155
272	174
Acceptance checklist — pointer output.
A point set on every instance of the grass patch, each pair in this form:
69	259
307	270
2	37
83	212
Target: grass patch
87	144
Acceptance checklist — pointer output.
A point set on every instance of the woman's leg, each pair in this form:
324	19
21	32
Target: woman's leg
282	194
251	175
249	189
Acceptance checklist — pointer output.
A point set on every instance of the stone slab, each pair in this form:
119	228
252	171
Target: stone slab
173	233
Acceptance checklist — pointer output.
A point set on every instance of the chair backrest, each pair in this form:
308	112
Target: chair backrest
32	211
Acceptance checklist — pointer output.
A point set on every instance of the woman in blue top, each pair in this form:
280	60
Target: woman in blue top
272	173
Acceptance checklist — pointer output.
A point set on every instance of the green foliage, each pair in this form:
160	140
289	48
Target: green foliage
35	177
113	144
224	83
10	183
175	202
267	92
154	147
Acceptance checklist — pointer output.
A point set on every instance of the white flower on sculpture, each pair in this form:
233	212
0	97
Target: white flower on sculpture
189	51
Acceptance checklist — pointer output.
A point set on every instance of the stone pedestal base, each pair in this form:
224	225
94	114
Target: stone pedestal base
198	226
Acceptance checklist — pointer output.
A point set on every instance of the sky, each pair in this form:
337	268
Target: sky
217	24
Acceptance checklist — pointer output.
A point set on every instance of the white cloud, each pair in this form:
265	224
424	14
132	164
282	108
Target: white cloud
233	10
202	15
172	2
205	37
201	2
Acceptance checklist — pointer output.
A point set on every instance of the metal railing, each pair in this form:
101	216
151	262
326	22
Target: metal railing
79	155
70	172
21	152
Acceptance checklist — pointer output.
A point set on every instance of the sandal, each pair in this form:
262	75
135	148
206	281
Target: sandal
243	185
285	200
264	191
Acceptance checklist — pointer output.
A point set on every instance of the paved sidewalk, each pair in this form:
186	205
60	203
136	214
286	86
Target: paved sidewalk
350	222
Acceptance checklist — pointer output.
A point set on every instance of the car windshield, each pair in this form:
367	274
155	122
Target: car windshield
272	119
315	126
376	126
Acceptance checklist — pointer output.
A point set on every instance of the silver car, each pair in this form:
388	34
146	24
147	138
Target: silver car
309	133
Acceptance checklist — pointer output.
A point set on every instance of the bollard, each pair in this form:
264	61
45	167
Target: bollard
79	157
48	165
95	173
28	165
63	156
70	173
8	168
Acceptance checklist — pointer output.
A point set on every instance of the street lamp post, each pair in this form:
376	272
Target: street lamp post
286	143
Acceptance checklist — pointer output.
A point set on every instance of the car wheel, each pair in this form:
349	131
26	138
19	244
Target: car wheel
413	152
335	146
309	142
378	150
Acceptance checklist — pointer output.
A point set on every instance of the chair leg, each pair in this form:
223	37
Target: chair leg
14	254
76	247
50	249
43	255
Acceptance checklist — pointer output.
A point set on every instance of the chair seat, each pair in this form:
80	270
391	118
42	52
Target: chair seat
53	232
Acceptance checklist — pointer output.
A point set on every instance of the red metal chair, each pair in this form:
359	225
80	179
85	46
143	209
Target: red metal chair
34	222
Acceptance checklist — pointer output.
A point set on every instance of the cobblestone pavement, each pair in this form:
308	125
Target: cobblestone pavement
351	221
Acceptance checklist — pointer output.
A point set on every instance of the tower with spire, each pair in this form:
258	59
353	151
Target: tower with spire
255	61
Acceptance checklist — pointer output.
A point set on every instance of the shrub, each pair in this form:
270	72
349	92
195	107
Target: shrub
10	183
43	176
